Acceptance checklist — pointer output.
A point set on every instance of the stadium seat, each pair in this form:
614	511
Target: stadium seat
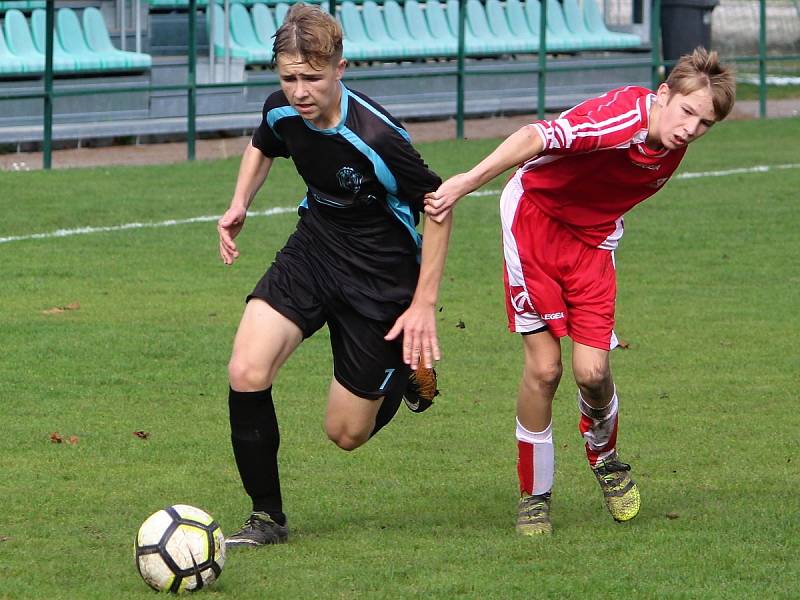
357	44
595	24
557	24
418	28
423	46
61	60
375	27
70	35
263	24
242	29
516	21
19	42
554	41
439	27
475	46
499	40
257	54
281	8
10	64
98	40
573	16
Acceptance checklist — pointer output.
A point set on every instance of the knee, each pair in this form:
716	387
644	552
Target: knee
542	374
593	380
245	377
347	441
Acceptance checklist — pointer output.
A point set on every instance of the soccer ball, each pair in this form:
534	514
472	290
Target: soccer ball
180	548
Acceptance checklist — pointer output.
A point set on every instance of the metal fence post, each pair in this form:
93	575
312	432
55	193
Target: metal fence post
462	30
655	44
762	59
542	78
47	142
192	81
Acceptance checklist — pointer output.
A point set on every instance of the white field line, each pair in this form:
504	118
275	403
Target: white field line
59	233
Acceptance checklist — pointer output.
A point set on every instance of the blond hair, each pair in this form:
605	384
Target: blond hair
702	69
311	34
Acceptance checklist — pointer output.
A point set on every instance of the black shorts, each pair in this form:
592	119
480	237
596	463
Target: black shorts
304	290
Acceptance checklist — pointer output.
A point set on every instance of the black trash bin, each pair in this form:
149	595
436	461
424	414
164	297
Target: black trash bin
685	24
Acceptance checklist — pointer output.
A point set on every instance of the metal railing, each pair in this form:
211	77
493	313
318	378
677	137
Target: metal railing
191	87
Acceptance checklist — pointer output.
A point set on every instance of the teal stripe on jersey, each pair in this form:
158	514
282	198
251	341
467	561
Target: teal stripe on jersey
276	114
401	210
381	116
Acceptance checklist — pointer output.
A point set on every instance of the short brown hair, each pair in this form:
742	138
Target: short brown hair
702	69
311	34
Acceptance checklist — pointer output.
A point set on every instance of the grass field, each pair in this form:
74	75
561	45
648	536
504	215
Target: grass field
708	278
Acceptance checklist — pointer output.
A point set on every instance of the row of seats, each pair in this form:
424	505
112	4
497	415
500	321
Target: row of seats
416	30
76	49
26	5
182	4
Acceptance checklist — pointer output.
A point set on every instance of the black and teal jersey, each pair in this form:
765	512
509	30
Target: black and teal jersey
365	189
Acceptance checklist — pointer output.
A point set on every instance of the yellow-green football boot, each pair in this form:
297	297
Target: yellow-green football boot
619	490
533	517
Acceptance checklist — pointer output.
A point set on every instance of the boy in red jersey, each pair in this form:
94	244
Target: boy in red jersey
562	217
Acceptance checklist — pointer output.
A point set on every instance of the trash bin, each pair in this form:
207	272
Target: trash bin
685	24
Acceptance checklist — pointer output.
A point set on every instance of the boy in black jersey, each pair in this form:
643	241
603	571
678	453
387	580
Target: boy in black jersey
355	262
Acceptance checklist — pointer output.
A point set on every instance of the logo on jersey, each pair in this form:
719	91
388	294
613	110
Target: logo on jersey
520	299
552	316
349	179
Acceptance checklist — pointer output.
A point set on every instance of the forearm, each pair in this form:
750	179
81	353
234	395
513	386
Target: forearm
435	241
520	146
253	171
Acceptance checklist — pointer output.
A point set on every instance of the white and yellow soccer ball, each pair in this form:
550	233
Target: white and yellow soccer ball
180	548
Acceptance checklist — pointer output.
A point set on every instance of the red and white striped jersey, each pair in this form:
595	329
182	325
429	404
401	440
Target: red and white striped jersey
596	167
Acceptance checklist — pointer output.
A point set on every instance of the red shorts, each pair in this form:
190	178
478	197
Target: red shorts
552	278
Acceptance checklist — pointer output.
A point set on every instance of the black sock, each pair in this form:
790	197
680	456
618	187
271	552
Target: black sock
256	439
391	402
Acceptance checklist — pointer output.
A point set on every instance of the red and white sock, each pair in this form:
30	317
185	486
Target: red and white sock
598	426
536	460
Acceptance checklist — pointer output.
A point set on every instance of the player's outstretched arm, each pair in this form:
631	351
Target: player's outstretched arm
417	324
253	172
520	146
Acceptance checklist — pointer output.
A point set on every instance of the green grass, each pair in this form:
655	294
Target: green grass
708	280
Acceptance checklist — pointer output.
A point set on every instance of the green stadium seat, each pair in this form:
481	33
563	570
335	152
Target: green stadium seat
70	35
573	17
422	47
418	28
499	40
557	24
555	41
475	46
375	27
517	21
21	5
10	64
281	8
263	24
437	22
98	40
357	43
250	55
243	32
61	60
595	23
19	42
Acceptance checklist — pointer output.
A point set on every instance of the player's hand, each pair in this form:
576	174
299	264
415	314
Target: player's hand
228	227
418	328
441	202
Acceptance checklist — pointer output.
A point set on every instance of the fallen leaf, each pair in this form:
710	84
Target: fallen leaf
142	435
56	310
56	438
460	324
73	439
672	515
4	538
623	344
